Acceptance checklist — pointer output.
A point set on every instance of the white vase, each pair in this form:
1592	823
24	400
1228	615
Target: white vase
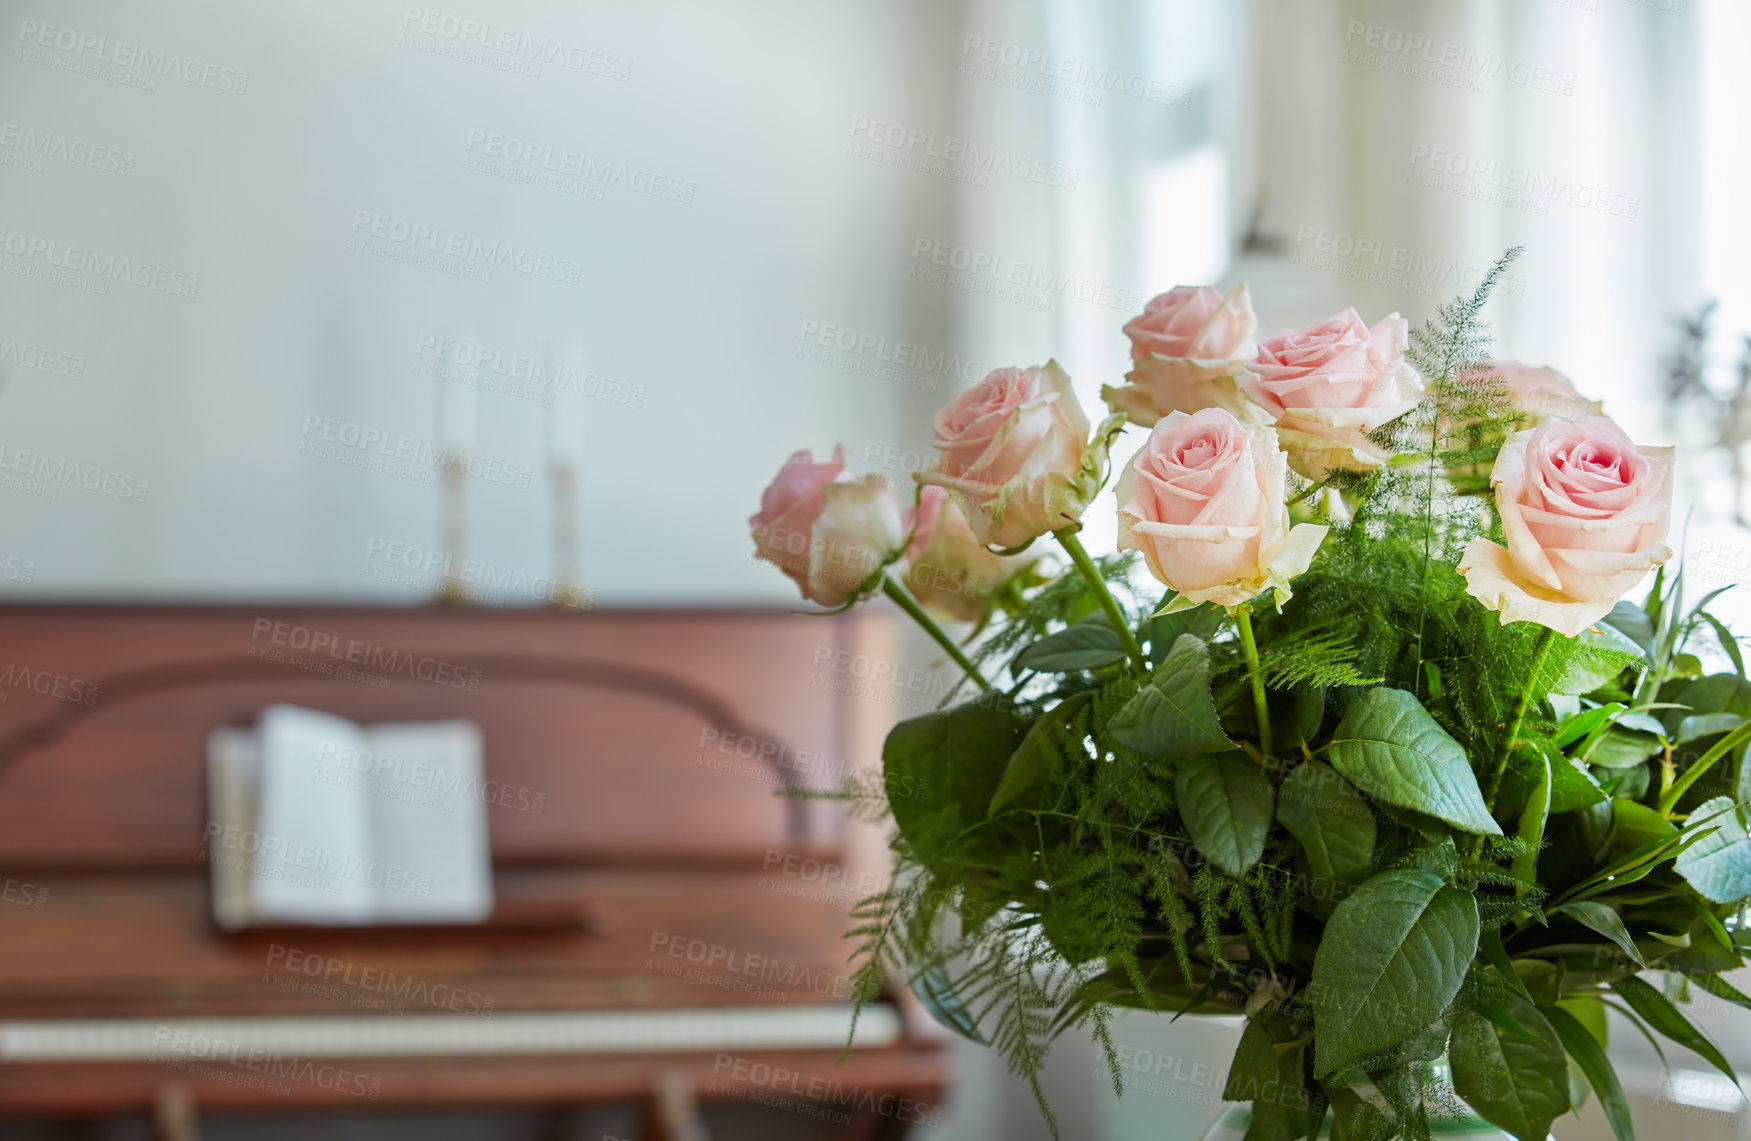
1231	1126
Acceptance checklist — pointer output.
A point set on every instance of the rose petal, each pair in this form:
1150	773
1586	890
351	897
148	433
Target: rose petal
1493	579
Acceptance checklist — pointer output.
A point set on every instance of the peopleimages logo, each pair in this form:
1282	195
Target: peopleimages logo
1521	187
107	267
964	154
86	46
40	359
436	241
543	164
523	47
79	152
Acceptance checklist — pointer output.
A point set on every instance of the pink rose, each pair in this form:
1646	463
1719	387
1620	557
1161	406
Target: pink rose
829	534
1585	513
1541	392
948	570
1010	453
1188	345
1203	501
1328	386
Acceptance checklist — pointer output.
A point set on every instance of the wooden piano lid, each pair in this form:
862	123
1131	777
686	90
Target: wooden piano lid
635	756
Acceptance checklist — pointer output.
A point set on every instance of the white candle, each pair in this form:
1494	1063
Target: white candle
565	444
458	418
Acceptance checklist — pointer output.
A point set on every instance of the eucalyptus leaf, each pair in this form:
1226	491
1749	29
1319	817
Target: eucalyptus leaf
1226	803
1390	748
1173	714
1393	956
1517	1085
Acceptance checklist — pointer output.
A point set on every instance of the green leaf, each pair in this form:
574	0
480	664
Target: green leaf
1514	1084
1532	821
1088	644
957	756
1721	989
1226	804
1331	820
1038	753
1581	724
1598	917
1636	825
1634	623
1657	1011
1571	785
937	994
1620	748
1490	943
1590	1056
1268	1073
1162	630
1718	866
1605	652
1390	748
1393	956
1706	725
1728	642
1173	714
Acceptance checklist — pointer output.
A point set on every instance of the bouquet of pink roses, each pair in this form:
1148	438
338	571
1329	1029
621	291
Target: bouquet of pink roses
1390	768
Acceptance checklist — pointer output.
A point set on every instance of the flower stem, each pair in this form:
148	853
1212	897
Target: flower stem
1091	574
1308	491
910	605
1540	650
1257	676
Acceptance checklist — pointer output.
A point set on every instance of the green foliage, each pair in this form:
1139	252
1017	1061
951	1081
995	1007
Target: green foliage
1462	840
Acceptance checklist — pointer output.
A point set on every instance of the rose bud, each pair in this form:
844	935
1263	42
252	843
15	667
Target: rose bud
1010	452
1188	345
1585	513
829	534
1203	501
949	571
1326	387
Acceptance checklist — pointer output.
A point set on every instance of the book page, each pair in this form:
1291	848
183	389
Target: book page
314	851
431	862
233	791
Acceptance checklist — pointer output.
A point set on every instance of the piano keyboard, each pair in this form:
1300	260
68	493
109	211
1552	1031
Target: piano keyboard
538	1032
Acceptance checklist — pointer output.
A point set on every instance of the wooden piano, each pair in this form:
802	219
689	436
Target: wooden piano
667	930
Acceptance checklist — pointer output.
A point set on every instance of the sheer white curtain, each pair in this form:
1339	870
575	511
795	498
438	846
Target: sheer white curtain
1444	133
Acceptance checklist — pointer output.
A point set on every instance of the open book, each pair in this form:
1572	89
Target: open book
315	819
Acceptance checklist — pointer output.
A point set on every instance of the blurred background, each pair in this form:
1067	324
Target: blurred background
248	300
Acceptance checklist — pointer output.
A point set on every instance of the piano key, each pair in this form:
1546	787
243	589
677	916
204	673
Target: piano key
541	1032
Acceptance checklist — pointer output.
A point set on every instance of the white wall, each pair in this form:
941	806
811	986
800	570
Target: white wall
697	305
